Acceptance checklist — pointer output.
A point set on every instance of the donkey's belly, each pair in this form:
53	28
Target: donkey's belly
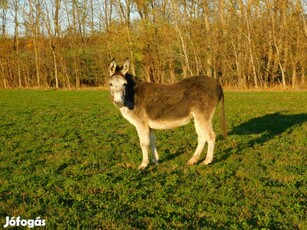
169	124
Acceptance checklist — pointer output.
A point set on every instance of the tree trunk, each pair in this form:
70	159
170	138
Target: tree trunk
16	42
55	65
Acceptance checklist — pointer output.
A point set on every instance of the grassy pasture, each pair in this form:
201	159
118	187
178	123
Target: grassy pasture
70	158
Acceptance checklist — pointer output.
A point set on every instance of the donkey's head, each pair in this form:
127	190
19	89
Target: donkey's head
118	82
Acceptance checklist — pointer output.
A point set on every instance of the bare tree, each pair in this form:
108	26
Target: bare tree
124	8
4	7
32	16
177	19
51	21
15	5
248	36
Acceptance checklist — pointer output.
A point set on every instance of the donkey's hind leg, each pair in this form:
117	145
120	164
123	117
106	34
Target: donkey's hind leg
205	133
210	136
199	127
153	146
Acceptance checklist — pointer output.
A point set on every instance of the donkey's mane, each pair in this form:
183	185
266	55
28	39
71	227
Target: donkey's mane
129	96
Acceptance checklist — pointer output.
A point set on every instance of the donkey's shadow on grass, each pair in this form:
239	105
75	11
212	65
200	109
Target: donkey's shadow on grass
267	127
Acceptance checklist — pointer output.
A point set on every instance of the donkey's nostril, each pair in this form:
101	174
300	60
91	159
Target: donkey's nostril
119	104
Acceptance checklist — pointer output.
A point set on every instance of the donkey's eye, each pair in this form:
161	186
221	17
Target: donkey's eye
111	84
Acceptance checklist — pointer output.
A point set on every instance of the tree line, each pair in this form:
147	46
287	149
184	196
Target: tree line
69	43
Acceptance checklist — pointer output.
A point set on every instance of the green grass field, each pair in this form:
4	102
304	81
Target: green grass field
70	158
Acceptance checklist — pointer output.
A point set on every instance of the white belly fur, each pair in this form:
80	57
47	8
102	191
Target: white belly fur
160	124
155	124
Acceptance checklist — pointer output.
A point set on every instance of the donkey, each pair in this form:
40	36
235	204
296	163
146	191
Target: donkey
149	106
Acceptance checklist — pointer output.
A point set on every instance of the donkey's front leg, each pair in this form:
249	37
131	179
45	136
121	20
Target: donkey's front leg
143	133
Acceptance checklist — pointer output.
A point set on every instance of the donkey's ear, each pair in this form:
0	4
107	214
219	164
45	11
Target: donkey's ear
125	67
112	67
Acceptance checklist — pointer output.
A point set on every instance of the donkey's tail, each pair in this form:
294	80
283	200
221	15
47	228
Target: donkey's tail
222	114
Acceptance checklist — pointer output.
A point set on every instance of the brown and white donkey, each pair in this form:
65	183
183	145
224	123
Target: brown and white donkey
150	106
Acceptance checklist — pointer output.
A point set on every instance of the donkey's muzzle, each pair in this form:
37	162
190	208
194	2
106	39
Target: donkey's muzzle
119	104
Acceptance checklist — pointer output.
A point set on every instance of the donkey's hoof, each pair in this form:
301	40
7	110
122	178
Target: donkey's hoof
206	161
143	166
192	161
